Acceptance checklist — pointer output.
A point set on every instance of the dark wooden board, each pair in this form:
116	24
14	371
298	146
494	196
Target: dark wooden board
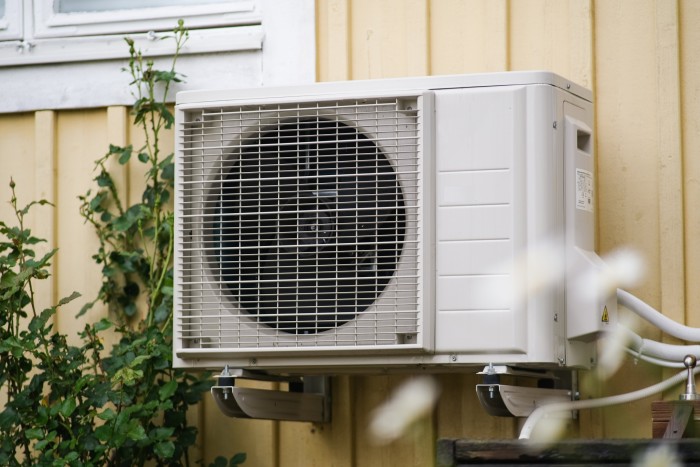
455	453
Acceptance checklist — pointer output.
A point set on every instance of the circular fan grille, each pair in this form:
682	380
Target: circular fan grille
310	225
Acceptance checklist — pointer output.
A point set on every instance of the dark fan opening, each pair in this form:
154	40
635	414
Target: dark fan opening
310	224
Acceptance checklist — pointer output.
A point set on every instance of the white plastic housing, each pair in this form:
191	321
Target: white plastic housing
495	233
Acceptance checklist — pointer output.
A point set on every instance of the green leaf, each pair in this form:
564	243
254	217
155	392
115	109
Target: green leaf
84	309
162	312
167	390
34	433
165	449
168	172
102	324
165	113
136	431
139	360
67	407
130	217
41	202
143	157
165	76
125	155
68	299
40	445
127	376
104	179
114	149
39	322
104	432
96	202
107	414
238	459
7	418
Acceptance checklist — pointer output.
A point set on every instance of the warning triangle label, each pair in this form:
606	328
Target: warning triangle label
606	317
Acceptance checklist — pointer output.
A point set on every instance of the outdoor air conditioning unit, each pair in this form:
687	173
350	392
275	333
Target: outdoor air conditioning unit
387	224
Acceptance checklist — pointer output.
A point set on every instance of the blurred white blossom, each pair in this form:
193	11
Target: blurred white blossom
411	401
612	348
661	455
536	269
550	429
624	268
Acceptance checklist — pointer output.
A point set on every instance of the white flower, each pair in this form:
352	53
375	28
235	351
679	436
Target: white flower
412	400
658	456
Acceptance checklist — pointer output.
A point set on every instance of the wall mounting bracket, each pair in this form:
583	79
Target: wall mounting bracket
502	400
307	400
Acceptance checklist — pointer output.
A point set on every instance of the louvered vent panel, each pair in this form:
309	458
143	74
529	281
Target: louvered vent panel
299	225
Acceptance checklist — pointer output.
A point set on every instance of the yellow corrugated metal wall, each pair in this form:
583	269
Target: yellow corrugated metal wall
641	58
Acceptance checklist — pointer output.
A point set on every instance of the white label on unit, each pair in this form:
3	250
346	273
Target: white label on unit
584	190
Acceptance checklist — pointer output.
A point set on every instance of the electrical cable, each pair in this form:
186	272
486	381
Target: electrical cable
542	411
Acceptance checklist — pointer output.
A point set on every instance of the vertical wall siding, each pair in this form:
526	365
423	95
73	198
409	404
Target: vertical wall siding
640	58
641	61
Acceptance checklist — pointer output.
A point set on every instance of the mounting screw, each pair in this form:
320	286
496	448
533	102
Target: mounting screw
453	358
561	361
253	361
554	125
556	317
568	85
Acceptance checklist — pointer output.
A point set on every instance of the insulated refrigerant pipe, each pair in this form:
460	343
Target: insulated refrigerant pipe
649	350
655	349
655	361
655	317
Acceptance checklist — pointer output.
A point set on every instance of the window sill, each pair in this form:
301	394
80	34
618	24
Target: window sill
83	49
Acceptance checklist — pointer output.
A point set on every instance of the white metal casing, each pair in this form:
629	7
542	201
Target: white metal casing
492	191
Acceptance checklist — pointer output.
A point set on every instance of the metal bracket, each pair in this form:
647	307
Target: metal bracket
503	400
308	398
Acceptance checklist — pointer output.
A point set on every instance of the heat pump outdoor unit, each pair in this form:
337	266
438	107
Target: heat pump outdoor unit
387	224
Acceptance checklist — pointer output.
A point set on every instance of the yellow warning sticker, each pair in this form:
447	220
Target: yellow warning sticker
606	317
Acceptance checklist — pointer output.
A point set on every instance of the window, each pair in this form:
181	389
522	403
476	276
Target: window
10	19
62	53
71	22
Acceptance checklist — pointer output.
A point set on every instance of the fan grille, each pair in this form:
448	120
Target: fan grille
299	225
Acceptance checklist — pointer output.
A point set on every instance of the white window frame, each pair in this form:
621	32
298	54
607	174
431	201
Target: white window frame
273	43
11	24
48	23
49	37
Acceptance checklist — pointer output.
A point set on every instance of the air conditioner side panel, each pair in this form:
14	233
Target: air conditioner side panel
480	151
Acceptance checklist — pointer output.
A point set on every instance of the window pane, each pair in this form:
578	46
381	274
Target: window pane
2	9
82	6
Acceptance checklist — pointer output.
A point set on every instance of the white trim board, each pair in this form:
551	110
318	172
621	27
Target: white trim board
281	51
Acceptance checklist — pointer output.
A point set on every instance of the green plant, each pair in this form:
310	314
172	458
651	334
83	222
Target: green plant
135	253
86	405
54	391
